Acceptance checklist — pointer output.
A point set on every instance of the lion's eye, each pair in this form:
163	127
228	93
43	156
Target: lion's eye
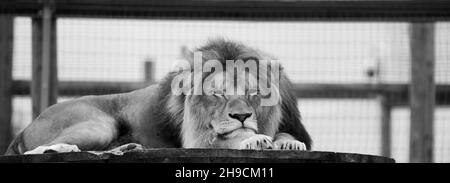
253	93
218	94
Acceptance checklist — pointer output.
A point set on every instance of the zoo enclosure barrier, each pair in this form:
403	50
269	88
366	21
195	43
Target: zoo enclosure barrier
421	94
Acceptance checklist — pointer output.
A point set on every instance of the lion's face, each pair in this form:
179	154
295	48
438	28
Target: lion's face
227	115
220	117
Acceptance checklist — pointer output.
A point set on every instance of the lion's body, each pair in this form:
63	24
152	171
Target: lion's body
101	122
156	118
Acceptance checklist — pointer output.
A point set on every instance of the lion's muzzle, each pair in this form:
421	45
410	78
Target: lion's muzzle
226	128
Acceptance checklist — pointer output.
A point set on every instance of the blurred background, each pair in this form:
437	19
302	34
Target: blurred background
352	77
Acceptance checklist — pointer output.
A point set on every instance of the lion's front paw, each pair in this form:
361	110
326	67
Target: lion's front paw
287	144
121	149
56	148
258	142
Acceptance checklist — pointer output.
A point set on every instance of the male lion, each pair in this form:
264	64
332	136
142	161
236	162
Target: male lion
156	117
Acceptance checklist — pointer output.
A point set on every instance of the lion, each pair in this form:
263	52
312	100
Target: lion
159	117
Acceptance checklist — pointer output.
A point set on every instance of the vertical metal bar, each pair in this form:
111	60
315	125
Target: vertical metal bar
36	65
49	82
149	71
44	81
385	125
6	52
422	92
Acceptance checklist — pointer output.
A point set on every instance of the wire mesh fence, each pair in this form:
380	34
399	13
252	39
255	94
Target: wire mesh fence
312	52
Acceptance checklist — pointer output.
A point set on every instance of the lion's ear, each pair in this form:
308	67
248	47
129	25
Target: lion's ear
187	54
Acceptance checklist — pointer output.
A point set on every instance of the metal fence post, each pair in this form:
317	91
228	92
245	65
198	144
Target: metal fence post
386	132
6	52
422	92
45	78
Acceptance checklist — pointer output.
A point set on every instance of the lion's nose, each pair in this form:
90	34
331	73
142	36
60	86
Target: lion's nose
241	117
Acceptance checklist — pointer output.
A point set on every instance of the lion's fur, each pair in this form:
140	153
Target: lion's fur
155	118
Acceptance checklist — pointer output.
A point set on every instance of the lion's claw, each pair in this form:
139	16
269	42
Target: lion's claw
257	142
289	145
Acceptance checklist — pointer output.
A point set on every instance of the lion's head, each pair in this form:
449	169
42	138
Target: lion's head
222	104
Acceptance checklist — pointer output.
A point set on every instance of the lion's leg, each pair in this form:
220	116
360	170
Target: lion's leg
89	135
284	141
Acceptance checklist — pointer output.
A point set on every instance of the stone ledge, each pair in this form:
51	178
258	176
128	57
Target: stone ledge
174	155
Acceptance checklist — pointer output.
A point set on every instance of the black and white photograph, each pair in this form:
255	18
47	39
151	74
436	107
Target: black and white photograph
224	81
